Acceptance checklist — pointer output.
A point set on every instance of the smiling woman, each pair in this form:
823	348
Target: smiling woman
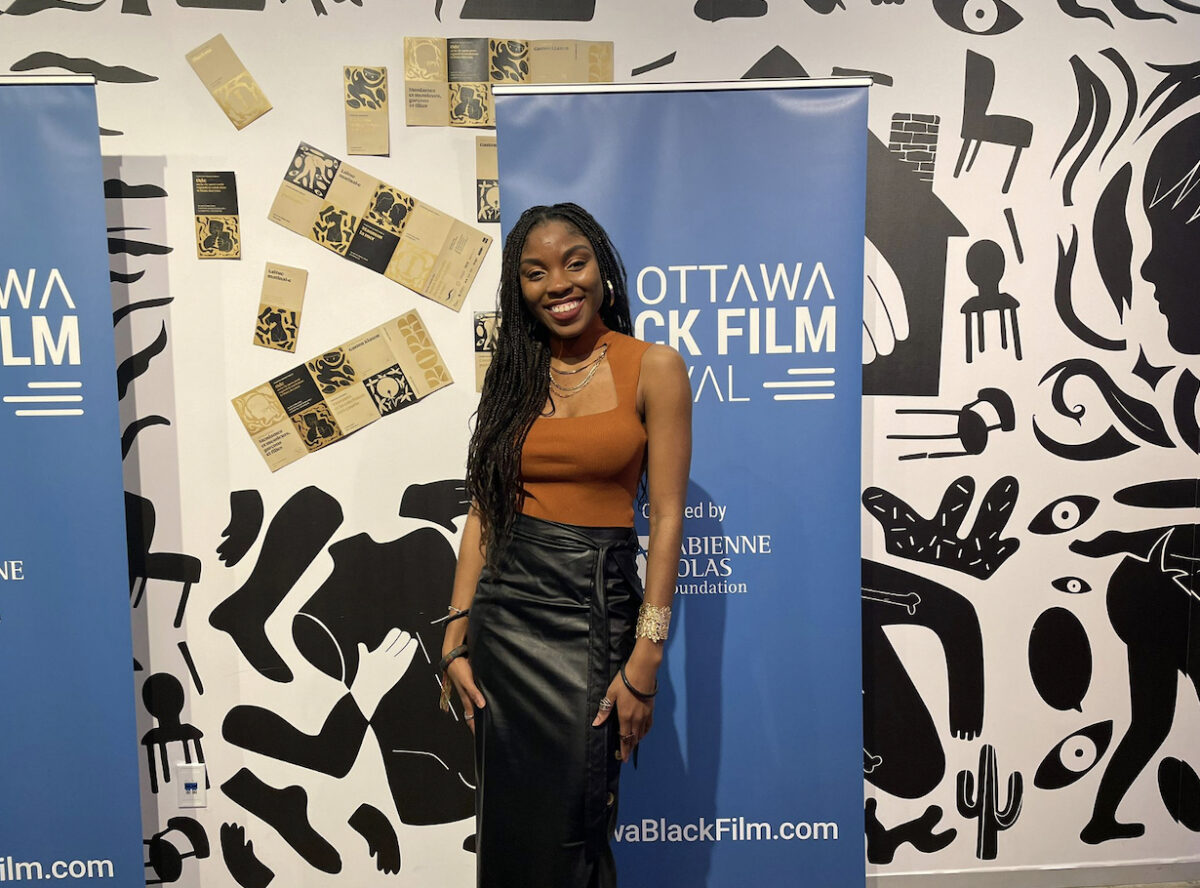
548	634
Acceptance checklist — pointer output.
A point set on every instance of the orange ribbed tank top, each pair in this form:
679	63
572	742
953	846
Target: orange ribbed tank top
585	469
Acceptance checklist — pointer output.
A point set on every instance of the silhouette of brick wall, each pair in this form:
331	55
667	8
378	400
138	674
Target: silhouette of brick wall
914	139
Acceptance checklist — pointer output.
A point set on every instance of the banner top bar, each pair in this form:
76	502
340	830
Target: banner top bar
697	86
46	79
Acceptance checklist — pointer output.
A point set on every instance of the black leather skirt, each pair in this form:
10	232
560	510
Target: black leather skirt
549	628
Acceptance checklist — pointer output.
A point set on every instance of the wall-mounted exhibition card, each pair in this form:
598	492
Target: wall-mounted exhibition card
487	324
215	203
365	91
377	225
279	307
343	390
224	75
447	80
487	180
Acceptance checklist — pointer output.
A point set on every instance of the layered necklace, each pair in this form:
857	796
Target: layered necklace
568	391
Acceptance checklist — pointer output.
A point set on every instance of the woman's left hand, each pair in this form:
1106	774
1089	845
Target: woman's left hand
634	714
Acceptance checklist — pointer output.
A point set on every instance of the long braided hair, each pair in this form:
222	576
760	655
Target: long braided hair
518	382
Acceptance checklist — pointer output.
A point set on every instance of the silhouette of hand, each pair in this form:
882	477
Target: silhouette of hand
885	315
240	859
439	501
380	669
935	540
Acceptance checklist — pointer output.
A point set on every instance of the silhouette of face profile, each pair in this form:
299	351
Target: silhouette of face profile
1171	197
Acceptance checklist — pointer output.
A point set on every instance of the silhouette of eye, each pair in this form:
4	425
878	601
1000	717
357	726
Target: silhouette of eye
1074	756
1064	514
1071	585
983	17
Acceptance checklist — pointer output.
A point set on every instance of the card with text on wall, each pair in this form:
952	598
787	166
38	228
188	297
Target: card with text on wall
447	80
323	400
278	322
487	180
215	203
365	93
377	225
226	78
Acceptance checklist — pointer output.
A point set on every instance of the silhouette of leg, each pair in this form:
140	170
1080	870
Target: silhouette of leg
285	811
962	155
1012	168
883	842
1152	684
297	534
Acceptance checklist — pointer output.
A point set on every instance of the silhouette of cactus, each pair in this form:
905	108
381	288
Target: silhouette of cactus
983	806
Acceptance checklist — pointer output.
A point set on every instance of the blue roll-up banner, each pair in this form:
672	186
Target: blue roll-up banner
739	212
69	802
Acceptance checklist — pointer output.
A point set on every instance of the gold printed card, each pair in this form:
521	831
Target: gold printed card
365	92
426	82
214	201
487	180
448	80
279	308
487	325
226	78
342	390
378	226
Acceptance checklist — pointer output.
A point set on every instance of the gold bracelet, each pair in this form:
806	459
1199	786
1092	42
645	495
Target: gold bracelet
652	622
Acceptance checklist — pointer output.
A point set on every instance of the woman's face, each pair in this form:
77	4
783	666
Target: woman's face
560	278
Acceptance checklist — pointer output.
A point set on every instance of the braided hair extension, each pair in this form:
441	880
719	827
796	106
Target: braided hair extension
517	384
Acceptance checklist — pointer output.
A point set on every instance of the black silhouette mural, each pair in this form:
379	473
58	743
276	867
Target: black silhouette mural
241	861
654	65
529	10
1152	604
715	10
910	228
979	799
903	751
1092	116
245	521
1060	659
935	540
991	411
165	859
1171	197
919	832
1064	514
979	126
164	698
1180	790
984	18
985	268
145	565
1074	756
367	627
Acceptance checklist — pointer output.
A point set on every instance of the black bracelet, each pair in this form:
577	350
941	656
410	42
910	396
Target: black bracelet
460	651
450	618
639	694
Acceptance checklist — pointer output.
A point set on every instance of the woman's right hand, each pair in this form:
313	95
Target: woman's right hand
459	672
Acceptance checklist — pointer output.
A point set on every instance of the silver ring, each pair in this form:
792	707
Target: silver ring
605	704
469	717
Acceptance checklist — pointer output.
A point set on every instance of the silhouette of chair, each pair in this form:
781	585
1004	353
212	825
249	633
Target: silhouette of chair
985	268
145	565
978	126
163	695
165	859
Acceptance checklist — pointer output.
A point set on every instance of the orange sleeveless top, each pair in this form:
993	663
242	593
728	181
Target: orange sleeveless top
585	469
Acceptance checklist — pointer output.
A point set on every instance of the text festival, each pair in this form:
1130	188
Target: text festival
767	320
43	345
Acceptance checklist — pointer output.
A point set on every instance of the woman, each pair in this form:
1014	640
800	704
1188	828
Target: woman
548	637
